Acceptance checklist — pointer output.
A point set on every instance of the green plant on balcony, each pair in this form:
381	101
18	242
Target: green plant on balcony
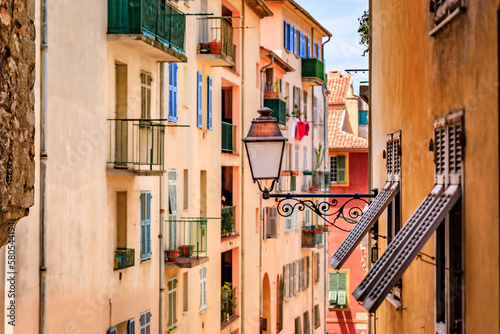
228	301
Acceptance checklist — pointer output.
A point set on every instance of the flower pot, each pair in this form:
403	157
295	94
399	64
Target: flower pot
326	228
204	48
270	95
318	231
186	250
214	47
172	255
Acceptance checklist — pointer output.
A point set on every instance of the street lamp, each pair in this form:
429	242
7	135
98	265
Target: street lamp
265	146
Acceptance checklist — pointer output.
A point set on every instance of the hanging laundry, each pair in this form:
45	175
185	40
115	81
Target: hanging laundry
302	130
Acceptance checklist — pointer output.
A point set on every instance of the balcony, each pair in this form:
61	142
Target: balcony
312	237
187	240
124	258
228	137
135	147
151	27
278	107
313	71
215	46
228	303
287	182
320	181
228	226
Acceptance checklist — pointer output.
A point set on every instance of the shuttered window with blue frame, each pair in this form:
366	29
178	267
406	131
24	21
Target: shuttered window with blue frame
199	94
308	47
285	35
209	103
172	92
145	225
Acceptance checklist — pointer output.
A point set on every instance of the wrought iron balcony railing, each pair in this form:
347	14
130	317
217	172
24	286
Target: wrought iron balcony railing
216	36
312	237
136	144
187	242
278	107
228	225
124	258
228	137
155	19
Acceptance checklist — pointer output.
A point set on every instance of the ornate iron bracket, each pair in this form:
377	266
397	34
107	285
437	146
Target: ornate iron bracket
350	210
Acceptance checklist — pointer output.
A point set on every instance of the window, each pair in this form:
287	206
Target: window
295	267
449	283
307	216
317	316
363	117
121	219
298	326
437	207
172	303
199	104
304	105
186	190
145	225
337	290
145	322
308	265
308	47
307	325
297	153
146	95
296	219
338	173
209	103
271	222
185	292
281	287
290	281
131	326
286	281
306	158
317	267
301	275
289	223
203	288
172	92
172	209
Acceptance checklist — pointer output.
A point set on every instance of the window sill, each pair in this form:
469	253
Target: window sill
338	309
146	260
395	302
203	310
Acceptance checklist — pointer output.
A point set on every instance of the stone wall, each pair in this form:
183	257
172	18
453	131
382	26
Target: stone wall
17	117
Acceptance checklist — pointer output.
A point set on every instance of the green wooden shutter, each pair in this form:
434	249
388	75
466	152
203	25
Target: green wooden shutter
341	169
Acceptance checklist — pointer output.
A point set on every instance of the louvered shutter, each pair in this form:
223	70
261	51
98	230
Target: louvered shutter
209	103
308	47
290	281
296	219
290	36
366	221
172	199
289	223
145	225
308	265
172	92
342	289
203	288
131	326
301	274
285	36
294	40
199	121
272	222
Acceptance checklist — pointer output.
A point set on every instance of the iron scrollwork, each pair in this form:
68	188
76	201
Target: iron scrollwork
329	208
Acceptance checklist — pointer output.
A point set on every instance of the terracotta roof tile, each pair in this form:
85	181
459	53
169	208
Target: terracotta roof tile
337	138
338	87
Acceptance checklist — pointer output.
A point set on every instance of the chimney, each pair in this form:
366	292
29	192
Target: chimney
334	74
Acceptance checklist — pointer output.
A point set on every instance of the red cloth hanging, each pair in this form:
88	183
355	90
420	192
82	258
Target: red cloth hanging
302	130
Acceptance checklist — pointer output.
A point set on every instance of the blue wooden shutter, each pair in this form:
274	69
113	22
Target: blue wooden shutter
317	51
145	225
172	92
289	34
294	40
302	46
308	47
209	103
200	100
285	36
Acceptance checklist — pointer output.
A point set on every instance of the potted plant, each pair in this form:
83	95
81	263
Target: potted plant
172	255
326	228
204	48
214	47
186	250
318	230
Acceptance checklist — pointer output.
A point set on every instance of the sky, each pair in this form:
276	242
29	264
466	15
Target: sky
340	17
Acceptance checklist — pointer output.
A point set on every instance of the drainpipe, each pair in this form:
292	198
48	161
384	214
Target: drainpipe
242	169
42	325
162	213
372	316
262	82
325	138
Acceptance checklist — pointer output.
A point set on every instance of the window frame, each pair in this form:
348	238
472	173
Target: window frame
172	300
347	275
203	289
147	324
146	83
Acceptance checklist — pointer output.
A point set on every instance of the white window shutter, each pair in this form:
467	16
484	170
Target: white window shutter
272	222
342	298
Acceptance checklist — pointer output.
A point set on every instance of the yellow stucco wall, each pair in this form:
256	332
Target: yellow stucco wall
416	78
